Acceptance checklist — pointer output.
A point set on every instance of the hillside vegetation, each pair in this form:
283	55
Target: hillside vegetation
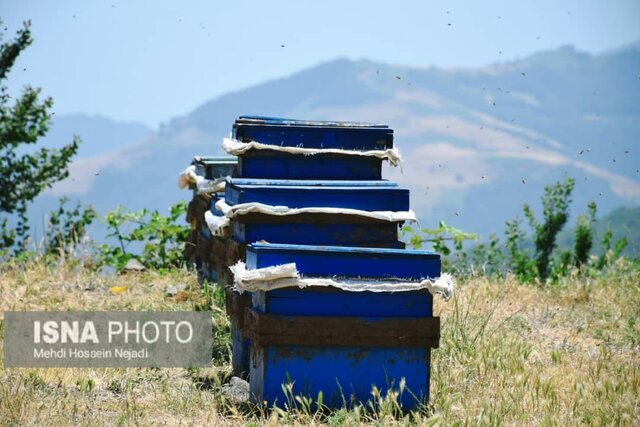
563	354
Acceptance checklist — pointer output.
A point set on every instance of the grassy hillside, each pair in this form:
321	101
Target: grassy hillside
509	354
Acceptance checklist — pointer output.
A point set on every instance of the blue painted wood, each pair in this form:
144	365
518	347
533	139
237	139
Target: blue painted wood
316	184
345	375
338	371
279	121
382	234
298	133
302	194
277	165
337	303
240	351
347	261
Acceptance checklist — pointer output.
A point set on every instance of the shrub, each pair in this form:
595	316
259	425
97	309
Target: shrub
162	236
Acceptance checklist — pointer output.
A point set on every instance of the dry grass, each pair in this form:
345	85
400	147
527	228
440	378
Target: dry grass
568	354
510	354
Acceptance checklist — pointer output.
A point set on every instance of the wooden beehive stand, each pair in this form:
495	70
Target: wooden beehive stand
319	339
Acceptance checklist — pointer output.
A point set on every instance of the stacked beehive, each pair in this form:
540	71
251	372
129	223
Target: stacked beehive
309	195
201	245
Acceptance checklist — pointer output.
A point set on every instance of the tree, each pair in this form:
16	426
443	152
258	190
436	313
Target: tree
555	210
584	235
23	176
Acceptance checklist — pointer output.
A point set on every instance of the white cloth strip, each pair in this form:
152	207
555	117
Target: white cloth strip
237	148
221	228
218	225
189	177
247	208
286	276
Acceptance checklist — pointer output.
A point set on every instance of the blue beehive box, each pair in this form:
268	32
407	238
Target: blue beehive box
338	342
311	134
279	165
324	339
210	168
311	228
362	195
318	228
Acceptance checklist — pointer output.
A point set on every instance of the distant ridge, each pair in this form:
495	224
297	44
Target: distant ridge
477	143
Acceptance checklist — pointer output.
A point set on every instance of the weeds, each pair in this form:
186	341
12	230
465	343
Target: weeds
163	238
66	227
509	354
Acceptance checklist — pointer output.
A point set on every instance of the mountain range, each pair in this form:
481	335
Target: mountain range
477	143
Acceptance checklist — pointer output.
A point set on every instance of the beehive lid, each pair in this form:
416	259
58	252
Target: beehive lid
277	121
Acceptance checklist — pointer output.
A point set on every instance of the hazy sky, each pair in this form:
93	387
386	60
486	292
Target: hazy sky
150	61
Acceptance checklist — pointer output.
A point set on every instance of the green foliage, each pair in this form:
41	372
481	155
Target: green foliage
609	252
623	221
547	262
520	261
553	263
555	210
584	235
7	237
528	261
23	176
162	237
489	258
439	238
66	227
540	259
562	265
535	258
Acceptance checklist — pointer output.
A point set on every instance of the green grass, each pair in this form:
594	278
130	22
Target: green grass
510	354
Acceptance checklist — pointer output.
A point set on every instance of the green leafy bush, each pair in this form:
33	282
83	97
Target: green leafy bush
610	253
555	210
163	238
529	258
440	239
66	227
488	258
584	235
520	261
